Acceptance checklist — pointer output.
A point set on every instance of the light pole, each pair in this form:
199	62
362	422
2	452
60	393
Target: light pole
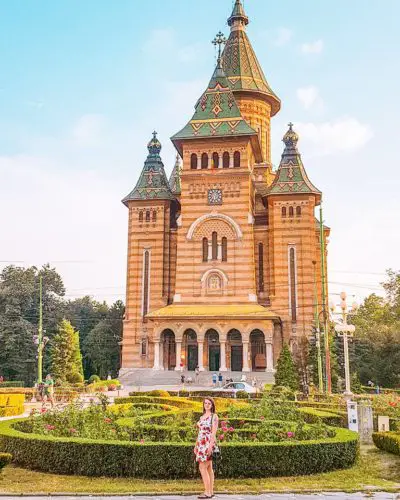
344	330
38	339
317	333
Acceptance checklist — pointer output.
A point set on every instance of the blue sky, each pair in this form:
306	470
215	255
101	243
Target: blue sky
83	83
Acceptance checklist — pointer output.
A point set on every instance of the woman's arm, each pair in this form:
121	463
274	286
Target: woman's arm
214	429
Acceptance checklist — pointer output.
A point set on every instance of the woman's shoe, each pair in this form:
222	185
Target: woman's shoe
205	496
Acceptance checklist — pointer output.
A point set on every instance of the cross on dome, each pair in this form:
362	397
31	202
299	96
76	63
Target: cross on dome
219	40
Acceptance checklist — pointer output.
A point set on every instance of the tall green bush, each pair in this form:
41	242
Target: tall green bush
286	373
66	357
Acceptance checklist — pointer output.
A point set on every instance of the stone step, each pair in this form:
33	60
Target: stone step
147	377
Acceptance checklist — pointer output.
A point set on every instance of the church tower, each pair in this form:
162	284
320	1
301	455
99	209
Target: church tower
151	209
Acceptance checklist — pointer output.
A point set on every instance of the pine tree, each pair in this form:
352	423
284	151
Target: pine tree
286	373
66	358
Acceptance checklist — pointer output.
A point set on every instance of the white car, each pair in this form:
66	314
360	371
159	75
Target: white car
236	387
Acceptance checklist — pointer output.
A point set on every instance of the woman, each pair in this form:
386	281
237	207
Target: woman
206	440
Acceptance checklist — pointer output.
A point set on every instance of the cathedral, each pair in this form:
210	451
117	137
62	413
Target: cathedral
224	258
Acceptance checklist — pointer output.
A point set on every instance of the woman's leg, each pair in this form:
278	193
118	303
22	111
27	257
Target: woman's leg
211	476
203	466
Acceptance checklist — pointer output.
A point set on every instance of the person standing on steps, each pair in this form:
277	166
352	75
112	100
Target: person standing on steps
196	374
205	444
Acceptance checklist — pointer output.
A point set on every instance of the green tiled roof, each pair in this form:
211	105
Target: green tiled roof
152	183
291	176
175	178
217	113
240	63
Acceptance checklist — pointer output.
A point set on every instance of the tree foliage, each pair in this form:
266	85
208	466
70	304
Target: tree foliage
286	373
66	358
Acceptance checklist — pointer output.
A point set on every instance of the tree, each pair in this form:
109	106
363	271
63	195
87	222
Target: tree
286	373
66	359
102	343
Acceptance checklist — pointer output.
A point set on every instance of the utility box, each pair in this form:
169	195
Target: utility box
383	424
352	415
365	422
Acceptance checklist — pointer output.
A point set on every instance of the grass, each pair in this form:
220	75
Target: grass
376	470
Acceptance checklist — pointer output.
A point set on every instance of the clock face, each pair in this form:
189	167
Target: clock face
214	197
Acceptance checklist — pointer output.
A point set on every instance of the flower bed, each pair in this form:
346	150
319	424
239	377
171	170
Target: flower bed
175	460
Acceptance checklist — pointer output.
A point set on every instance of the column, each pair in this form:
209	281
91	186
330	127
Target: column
178	346
246	367
200	355
210	251
156	365
210	161
270	356
198	161
222	364
219	251
231	160
220	161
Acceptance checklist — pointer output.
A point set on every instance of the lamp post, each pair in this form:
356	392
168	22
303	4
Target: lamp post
344	330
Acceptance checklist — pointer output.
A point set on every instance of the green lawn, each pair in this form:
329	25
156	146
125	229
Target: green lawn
376	470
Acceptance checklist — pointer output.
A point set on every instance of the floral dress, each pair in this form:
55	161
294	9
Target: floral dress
203	439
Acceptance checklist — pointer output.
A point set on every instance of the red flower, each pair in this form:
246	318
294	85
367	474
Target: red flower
73	431
290	434
254	436
262	418
43	410
107	420
50	427
221	437
231	429
141	441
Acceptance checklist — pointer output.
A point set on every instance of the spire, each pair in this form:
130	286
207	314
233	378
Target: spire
152	183
291	177
238	17
217	113
175	178
240	63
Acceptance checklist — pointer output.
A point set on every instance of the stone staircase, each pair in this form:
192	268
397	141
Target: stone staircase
142	377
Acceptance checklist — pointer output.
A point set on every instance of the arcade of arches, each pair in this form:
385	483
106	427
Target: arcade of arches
213	350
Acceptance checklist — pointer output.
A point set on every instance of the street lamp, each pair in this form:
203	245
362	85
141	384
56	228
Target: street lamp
344	330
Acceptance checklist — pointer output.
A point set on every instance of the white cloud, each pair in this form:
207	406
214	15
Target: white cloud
313	48
344	134
283	37
310	98
89	129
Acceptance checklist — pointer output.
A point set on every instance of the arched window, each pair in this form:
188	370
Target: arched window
214	246
236	159
205	249
215	160
154	216
146	282
283	211
291	212
147	215
193	161
141	216
224	249
260	267
225	160
298	211
204	160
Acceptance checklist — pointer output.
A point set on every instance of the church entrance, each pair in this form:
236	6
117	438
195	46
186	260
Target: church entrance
258	351
214	353
236	350
190	349
168	350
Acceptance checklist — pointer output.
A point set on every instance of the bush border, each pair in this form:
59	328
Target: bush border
175	460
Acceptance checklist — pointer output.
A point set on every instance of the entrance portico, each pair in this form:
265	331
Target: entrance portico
238	338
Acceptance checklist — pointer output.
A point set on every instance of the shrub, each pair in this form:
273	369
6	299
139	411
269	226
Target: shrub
12	399
28	392
5	459
12	383
313	416
175	460
388	441
93	378
158	393
11	411
75	378
286	374
242	395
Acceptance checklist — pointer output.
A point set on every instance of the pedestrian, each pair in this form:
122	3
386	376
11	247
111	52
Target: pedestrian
220	379
206	449
182	378
181	366
243	378
49	390
1	379
196	374
214	379
254	382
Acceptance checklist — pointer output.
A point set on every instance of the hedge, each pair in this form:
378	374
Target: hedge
5	459
11	411
28	392
175	460
388	441
12	383
313	416
12	399
178	402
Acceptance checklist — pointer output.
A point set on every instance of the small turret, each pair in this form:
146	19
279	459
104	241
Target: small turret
238	16
175	178
152	183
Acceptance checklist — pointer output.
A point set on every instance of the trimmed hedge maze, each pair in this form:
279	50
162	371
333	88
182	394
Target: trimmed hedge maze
153	437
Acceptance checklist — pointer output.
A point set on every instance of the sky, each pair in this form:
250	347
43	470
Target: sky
83	83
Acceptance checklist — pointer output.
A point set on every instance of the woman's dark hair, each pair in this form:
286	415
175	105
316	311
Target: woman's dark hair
212	405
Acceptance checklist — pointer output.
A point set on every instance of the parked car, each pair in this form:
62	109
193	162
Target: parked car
236	387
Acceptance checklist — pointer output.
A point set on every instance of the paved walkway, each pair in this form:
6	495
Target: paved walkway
272	496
